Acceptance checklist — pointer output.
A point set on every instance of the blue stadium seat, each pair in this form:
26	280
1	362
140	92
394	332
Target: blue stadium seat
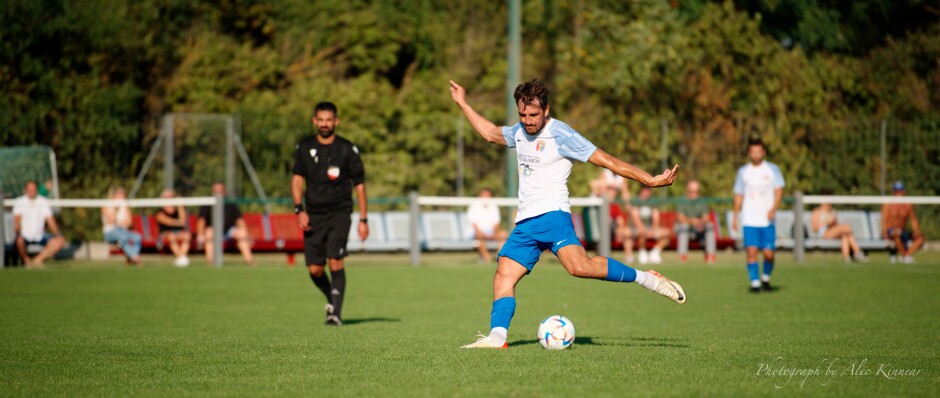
876	242
442	231
397	224
378	235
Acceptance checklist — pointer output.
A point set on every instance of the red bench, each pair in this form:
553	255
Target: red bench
276	232
668	220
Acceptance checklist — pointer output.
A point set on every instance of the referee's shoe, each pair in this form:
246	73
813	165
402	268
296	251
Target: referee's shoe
332	320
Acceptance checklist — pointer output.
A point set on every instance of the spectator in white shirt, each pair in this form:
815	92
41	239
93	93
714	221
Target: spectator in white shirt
484	217
31	214
117	222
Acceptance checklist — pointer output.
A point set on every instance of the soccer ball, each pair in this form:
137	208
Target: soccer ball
556	333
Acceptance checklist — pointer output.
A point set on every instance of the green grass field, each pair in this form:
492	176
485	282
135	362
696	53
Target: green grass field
100	329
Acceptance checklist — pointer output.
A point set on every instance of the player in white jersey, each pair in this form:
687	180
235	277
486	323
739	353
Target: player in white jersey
758	189
546	148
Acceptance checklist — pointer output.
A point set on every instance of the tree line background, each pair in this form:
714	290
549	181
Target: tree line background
813	78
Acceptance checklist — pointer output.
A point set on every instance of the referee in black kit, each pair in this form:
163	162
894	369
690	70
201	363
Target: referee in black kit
330	166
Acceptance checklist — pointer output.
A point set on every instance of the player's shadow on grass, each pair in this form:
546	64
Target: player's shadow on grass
634	342
354	321
655	342
579	340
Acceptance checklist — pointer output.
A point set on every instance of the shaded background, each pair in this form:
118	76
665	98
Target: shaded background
815	79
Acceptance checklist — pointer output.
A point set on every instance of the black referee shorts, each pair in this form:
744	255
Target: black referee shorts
327	237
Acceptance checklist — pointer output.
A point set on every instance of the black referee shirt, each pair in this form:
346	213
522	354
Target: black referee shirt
331	172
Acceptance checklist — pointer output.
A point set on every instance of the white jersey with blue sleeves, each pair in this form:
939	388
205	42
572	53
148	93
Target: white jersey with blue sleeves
544	162
757	184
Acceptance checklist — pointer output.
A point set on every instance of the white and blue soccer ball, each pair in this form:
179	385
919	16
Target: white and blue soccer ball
556	333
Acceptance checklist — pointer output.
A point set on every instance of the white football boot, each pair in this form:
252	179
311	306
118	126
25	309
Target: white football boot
668	288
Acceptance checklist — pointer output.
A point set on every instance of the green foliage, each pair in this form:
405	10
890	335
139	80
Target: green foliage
92	78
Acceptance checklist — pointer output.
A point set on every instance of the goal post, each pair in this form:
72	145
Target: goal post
216	138
20	164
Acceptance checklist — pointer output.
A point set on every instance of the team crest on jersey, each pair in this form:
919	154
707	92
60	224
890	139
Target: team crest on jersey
313	153
332	172
525	170
539	146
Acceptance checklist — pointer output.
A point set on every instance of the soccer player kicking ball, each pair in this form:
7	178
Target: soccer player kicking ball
546	148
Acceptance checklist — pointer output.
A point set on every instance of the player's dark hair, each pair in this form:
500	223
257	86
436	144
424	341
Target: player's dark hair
756	142
325	106
532	91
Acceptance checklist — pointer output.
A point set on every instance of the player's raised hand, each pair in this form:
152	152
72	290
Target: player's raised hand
458	93
666	178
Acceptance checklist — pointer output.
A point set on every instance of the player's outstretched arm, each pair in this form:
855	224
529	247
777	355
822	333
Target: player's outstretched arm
627	170
487	129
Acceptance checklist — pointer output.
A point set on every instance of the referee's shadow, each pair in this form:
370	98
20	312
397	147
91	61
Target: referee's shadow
354	321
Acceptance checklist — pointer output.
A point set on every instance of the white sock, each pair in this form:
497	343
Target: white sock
498	335
755	283
646	280
765	278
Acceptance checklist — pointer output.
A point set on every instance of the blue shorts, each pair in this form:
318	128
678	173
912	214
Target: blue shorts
532	236
760	237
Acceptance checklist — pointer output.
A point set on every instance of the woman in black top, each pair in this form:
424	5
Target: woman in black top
172	223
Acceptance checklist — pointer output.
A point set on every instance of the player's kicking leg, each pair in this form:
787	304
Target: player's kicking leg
577	263
508	274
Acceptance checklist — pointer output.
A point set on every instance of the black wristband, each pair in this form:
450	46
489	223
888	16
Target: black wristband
364	220
298	209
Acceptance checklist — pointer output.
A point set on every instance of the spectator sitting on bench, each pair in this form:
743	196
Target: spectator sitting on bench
619	217
31	214
172	223
694	218
894	218
826	225
483	215
117	222
646	219
234	227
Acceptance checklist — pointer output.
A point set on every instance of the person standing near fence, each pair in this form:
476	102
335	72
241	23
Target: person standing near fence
758	189
330	166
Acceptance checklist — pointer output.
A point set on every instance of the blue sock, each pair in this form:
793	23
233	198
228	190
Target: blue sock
752	270
618	272
503	309
768	267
